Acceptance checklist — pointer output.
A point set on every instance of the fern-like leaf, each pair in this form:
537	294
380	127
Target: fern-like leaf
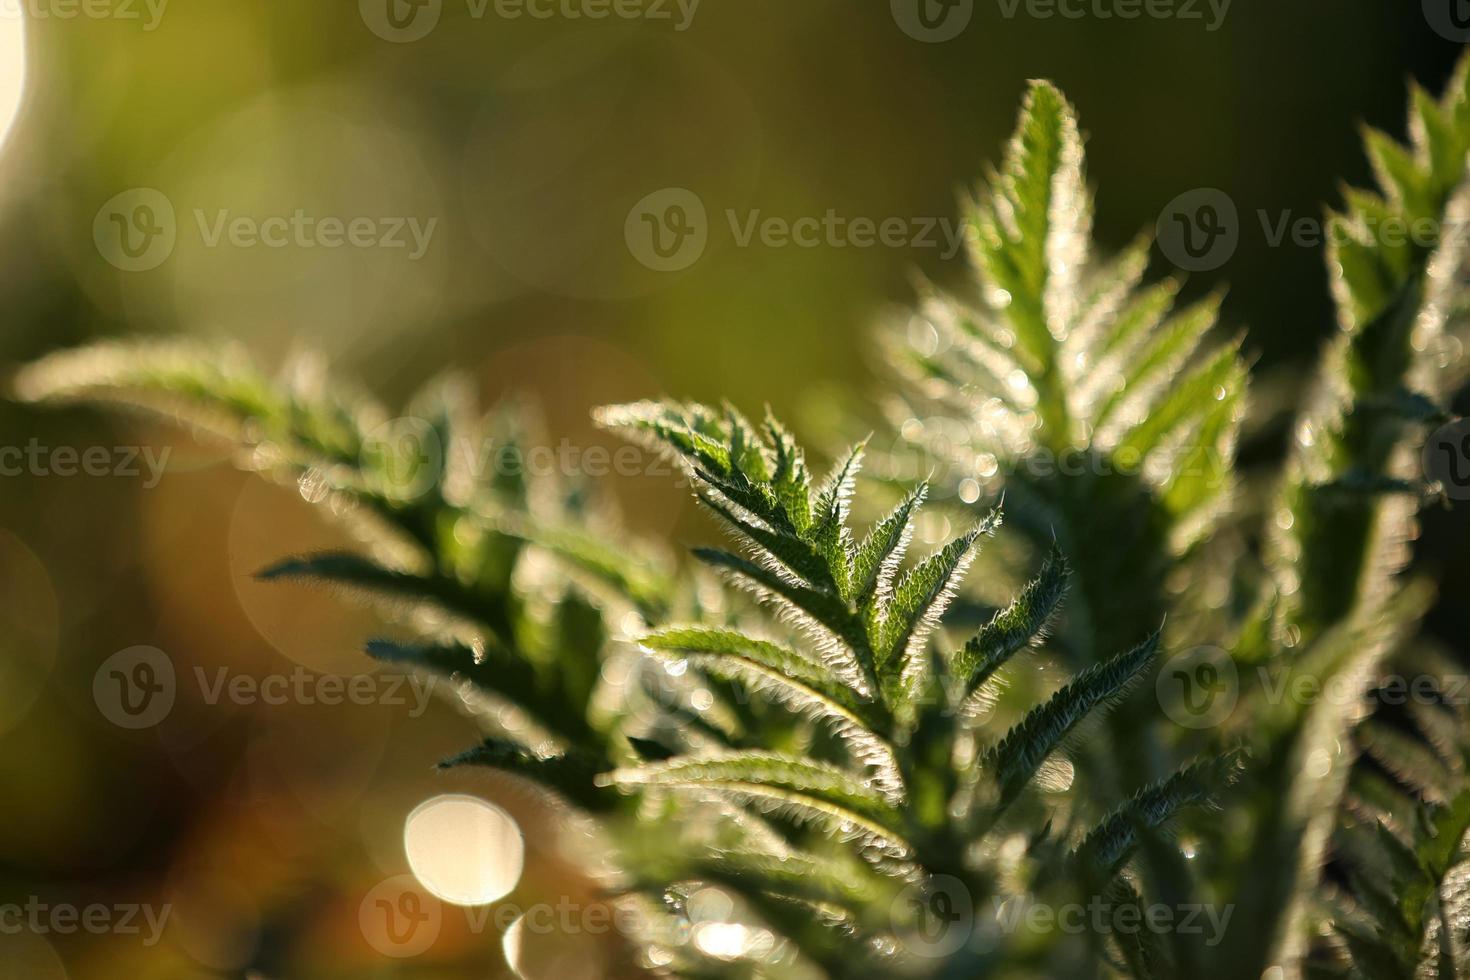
1018	756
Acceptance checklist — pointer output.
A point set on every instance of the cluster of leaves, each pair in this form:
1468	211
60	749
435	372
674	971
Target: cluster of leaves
1405	910
1354	483
1058	356
1059	364
880	778
829	757
451	517
1105	412
1339	533
917	787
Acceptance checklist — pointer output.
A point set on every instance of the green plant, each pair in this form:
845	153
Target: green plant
1403	911
842	758
920	790
444	538
1064	358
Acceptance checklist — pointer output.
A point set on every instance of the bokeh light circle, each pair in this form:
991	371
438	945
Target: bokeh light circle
464	850
536	950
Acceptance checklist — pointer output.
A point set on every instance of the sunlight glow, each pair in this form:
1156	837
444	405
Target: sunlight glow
12	66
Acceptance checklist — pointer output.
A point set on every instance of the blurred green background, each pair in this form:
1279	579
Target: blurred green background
526	142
